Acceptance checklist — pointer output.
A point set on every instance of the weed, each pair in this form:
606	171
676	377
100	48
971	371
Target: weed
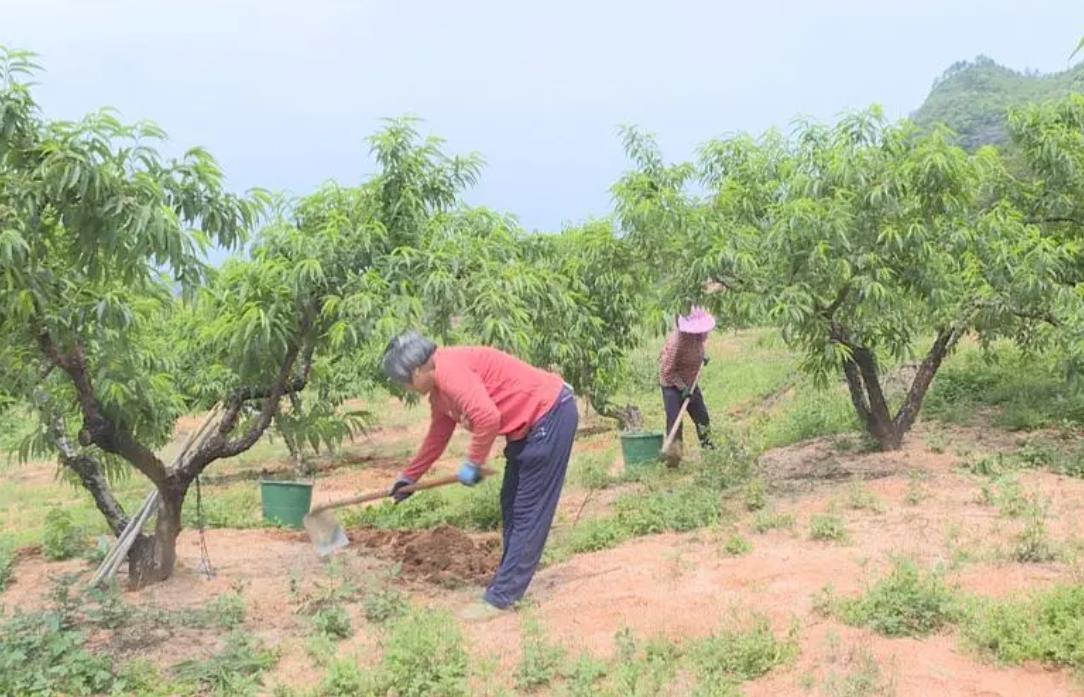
639	674
541	659
321	649
825	602
915	490
236	670
62	539
733	656
592	471
477	508
908	602
424	655
226	610
737	546
40	654
767	520
345	678
755	498
583	676
333	621
143	678
864	679
1045	627
827	528
861	498
385	605
1032	544
7	562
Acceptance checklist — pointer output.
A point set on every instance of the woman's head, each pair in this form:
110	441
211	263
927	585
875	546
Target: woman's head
408	361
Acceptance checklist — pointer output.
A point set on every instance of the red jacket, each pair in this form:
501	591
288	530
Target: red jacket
490	393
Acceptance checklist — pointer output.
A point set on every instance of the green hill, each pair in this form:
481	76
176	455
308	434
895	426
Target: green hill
972	97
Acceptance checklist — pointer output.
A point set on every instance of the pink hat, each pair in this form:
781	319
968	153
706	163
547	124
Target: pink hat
699	321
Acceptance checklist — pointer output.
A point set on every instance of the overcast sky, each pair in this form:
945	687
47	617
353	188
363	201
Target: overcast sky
284	93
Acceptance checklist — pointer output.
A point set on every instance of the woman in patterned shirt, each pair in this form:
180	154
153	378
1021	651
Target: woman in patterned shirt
681	358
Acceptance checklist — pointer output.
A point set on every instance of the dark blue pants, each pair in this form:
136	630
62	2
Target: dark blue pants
531	488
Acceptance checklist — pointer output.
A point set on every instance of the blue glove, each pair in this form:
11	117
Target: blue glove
686	392
402	481
469	473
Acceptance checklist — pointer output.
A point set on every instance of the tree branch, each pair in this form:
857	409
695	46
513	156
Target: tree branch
944	343
97	428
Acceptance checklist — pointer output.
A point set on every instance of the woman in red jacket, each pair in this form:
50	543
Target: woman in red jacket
493	394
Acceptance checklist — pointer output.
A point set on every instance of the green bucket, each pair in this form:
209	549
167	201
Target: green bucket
285	503
640	447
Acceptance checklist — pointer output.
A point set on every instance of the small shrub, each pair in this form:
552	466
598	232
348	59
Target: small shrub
237	669
827	528
1045	627
333	622
907	602
767	520
737	546
738	655
62	540
541	659
755	497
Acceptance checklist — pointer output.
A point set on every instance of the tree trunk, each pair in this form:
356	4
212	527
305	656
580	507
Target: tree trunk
152	559
867	396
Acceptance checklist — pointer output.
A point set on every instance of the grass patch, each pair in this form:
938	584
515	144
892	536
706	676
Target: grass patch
767	520
468	508
236	670
333	622
755	495
827	528
1032	545
7	562
1029	392
592	470
732	656
908	602
540	659
860	498
863	678
424	655
643	671
42	654
1047	626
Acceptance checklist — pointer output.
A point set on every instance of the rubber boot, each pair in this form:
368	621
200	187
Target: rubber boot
703	432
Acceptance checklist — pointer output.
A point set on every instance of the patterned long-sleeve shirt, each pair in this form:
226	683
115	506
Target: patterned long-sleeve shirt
680	359
488	392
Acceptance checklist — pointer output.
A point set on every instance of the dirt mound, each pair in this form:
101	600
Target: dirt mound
445	555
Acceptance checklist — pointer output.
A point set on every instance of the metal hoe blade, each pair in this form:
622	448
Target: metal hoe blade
325	532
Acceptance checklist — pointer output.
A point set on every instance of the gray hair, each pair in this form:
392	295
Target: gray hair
405	354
